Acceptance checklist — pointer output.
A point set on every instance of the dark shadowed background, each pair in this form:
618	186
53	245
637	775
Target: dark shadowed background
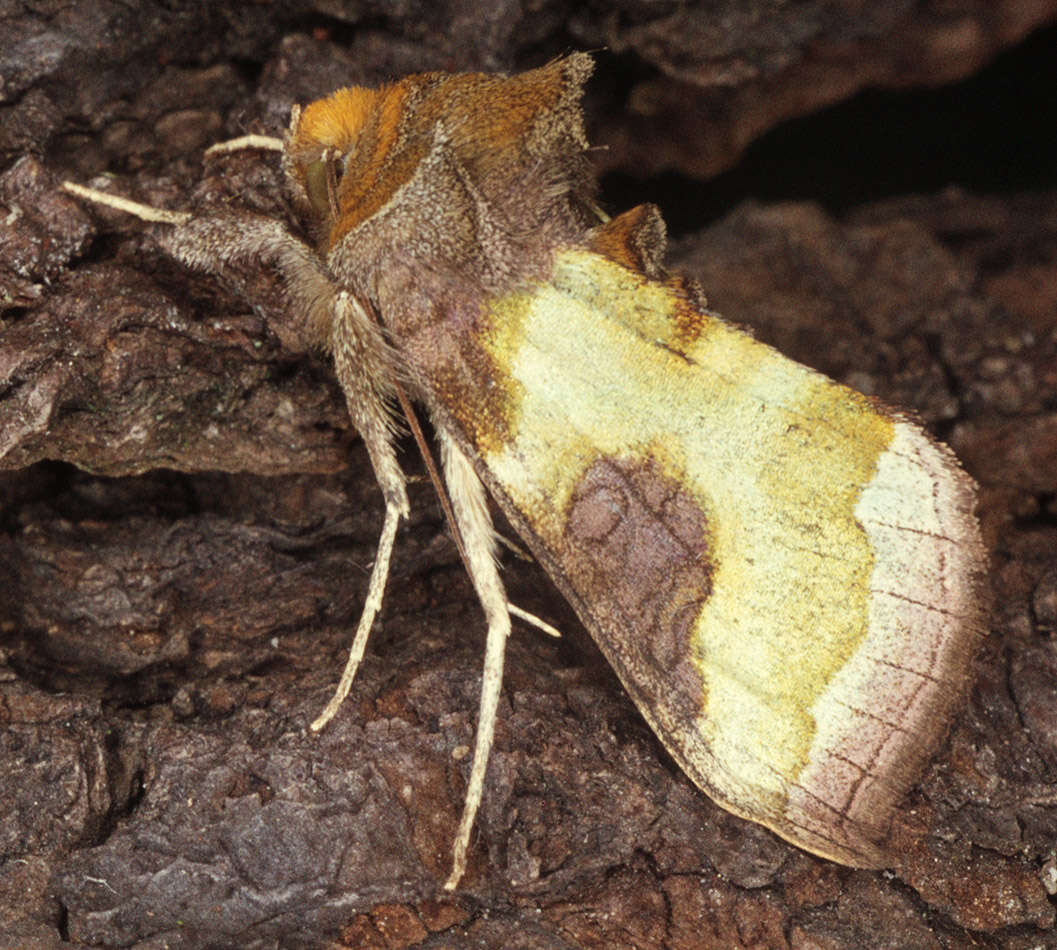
187	523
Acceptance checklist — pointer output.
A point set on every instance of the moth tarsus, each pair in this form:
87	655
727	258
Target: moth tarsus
785	574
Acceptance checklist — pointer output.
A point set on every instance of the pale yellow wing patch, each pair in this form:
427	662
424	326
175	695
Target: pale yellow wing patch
824	548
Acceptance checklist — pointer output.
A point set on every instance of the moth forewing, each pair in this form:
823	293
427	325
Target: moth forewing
797	632
785	574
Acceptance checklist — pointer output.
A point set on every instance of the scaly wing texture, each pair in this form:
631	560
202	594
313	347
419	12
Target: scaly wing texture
783	573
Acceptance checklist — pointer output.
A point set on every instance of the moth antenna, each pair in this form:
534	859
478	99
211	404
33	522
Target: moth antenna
135	208
267	142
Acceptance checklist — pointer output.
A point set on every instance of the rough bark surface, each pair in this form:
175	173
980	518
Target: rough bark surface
187	523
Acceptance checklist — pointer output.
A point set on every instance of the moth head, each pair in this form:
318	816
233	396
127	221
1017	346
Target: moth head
322	139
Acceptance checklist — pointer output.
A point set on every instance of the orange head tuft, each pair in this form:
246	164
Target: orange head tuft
335	122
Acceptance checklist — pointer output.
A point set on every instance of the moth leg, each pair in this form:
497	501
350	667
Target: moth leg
534	621
365	367
364	364
360	362
449	515
475	525
371	605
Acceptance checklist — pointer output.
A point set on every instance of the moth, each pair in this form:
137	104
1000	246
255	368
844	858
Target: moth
785	574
